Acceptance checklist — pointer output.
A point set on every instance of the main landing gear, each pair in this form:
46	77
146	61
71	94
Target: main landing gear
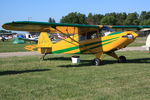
97	61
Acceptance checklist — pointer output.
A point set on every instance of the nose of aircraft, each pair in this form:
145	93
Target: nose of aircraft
131	35
135	34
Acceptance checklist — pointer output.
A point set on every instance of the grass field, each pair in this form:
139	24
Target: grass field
27	78
8	46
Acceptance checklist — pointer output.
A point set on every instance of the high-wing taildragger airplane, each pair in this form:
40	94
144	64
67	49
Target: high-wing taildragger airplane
78	39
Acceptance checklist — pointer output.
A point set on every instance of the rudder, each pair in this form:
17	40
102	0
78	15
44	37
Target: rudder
44	43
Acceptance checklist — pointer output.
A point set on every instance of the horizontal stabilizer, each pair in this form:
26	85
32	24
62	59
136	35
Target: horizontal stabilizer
31	47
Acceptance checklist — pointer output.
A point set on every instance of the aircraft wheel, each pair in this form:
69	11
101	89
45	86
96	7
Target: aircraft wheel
97	62
122	59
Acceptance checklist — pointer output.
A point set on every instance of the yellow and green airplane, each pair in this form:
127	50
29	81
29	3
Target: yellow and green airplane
76	38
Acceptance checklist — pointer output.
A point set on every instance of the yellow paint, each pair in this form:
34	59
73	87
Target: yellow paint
99	55
121	42
44	40
31	47
67	43
44	43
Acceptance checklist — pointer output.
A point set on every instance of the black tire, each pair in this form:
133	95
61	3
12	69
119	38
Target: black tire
97	62
122	59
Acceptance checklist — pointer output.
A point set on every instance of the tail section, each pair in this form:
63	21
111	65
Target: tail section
44	43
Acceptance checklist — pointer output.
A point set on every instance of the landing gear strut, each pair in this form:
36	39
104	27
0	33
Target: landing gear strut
121	59
43	56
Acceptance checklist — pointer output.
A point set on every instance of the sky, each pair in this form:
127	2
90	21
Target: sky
41	10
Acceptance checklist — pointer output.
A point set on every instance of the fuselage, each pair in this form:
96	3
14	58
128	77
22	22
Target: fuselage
111	42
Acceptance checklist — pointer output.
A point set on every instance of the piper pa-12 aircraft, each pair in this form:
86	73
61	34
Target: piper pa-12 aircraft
78	39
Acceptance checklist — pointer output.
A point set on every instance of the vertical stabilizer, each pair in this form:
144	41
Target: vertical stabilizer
44	43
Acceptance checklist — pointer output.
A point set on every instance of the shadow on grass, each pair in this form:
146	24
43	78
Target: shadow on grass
58	58
139	60
20	72
83	63
105	62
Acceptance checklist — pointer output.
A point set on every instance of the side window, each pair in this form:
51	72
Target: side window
92	35
83	37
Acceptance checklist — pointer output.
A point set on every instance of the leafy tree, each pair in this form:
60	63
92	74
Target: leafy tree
132	19
94	19
51	20
111	14
121	17
145	22
74	18
144	15
90	19
98	18
118	17
108	20
144	18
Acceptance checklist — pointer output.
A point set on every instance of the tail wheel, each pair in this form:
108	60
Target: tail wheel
122	59
97	62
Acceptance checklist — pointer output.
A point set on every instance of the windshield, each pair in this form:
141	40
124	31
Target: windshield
106	30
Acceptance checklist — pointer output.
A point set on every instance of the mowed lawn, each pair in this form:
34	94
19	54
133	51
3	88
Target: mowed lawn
28	78
8	46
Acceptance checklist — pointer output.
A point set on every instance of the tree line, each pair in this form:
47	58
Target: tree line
107	19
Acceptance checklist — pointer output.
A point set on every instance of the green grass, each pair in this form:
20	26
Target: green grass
8	46
27	78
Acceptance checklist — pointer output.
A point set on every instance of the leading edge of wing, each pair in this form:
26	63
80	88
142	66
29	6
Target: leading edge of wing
131	26
39	26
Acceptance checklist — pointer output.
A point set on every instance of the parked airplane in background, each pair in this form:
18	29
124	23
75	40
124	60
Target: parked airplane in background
78	39
29	37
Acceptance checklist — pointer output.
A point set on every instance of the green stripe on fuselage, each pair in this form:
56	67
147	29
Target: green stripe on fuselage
65	50
98	42
94	47
81	46
114	33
